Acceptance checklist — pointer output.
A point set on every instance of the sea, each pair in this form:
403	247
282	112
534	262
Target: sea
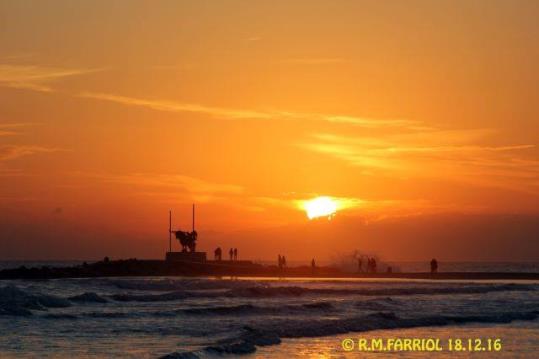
177	317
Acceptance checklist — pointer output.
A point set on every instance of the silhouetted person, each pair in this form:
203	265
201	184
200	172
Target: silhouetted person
235	254
434	266
218	254
279	262
359	263
231	254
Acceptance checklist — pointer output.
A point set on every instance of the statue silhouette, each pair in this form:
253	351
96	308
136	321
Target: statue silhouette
187	240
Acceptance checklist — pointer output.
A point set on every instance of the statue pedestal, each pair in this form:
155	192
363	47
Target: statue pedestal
199	257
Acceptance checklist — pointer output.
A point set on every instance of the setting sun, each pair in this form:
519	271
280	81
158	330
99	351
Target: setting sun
320	207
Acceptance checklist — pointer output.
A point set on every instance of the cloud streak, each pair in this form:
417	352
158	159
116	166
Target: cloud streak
245	114
432	155
9	129
34	77
158	185
11	152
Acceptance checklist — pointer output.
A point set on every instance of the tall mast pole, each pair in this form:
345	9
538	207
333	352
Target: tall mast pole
193	217
170	231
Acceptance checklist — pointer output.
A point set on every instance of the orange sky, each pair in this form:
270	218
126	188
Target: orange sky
409	112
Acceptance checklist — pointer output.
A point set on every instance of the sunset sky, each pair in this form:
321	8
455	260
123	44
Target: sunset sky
419	118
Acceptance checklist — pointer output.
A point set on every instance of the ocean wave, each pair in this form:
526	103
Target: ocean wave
318	306
401	291
296	291
378	304
274	331
225	310
180	355
111	315
165	297
386	320
88	297
233	310
250	309
176	284
14	301
60	316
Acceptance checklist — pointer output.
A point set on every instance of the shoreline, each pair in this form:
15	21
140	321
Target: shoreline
161	268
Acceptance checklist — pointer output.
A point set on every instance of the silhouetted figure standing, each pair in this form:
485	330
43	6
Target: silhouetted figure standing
359	263
279	261
434	266
218	254
235	254
371	265
313	266
231	254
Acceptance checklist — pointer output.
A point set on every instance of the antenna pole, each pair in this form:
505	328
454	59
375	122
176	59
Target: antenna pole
170	231
193	217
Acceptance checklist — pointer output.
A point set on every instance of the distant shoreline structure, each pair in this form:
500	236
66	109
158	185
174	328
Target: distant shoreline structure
149	268
191	263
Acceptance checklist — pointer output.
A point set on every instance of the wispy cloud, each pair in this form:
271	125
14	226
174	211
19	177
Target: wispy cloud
11	152
435	154
171	106
14	125
170	185
246	114
34	77
10	129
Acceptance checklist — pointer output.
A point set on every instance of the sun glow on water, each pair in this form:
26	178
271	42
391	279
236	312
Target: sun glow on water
320	207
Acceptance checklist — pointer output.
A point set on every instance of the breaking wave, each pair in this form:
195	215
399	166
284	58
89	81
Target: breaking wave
14	301
88	297
273	332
